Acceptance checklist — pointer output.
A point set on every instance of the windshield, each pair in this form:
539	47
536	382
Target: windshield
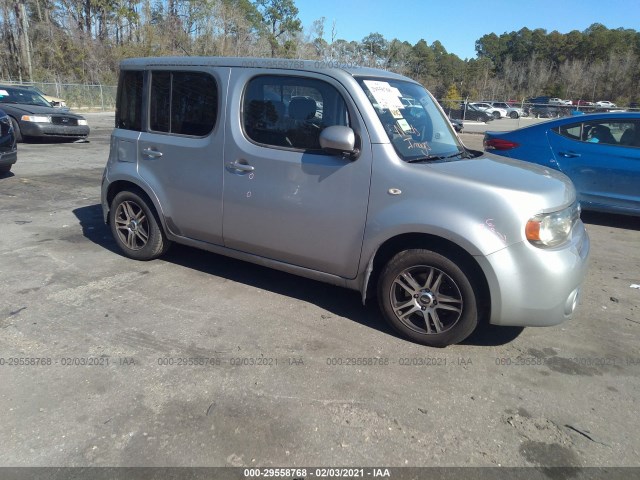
412	119
24	96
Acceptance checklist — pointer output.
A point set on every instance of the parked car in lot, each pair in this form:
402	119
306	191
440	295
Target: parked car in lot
490	109
32	116
539	111
457	124
369	195
543	100
605	104
582	103
471	112
512	111
559	101
8	149
599	152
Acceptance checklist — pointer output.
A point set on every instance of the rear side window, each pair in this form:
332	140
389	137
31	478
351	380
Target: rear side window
183	103
613	132
129	104
290	112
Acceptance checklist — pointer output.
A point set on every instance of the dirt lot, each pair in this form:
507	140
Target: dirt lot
279	386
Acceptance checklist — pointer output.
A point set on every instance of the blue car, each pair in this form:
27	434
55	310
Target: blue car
599	152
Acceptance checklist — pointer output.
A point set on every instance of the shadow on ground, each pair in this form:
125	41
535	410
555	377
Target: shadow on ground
628	222
340	301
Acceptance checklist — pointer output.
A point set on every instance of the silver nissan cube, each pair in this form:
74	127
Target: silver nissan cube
350	176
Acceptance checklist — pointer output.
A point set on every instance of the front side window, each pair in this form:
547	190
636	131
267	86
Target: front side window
183	103
612	132
410	115
290	112
129	104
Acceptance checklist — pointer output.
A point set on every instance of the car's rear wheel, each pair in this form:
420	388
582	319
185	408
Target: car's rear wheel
514	115
496	115
16	130
428	298
136	228
5	169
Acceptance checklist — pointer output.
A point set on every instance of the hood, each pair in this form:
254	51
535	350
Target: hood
544	187
37	109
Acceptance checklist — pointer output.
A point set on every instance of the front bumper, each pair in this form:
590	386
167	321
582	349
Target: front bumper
31	129
533	287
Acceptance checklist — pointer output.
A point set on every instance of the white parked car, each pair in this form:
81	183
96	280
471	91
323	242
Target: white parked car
490	109
512	112
606	104
559	101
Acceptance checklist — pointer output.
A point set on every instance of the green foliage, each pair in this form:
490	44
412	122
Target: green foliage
452	98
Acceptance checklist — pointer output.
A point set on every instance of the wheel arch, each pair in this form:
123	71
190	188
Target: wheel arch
118	186
443	246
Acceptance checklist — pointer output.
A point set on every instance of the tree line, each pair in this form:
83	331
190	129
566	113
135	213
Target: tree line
83	41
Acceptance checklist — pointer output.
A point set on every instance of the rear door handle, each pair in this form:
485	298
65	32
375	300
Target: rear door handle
568	154
243	167
149	152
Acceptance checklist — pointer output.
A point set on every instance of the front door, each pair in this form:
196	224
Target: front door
284	197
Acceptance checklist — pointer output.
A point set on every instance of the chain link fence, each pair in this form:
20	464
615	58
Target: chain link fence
88	98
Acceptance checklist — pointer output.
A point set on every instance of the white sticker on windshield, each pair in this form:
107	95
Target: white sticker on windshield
395	112
396	92
404	125
384	94
4	93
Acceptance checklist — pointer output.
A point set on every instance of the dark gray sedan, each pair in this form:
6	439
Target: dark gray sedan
32	116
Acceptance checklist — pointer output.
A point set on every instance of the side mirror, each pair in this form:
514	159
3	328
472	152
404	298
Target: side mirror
339	139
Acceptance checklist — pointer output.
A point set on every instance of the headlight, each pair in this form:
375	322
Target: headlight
82	122
552	229
36	119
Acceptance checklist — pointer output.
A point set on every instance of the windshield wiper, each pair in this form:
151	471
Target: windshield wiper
432	158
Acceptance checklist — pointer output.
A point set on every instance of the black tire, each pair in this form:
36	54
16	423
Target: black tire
136	228
16	130
496	115
5	169
514	115
438	308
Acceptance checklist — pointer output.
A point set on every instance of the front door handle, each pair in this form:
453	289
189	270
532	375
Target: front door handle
148	152
569	154
243	167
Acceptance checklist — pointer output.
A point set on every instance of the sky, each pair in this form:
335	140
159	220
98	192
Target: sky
457	24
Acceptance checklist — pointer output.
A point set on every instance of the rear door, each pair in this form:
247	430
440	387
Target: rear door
180	151
285	198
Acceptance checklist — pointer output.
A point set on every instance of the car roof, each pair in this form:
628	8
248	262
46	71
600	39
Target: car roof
17	87
577	119
333	69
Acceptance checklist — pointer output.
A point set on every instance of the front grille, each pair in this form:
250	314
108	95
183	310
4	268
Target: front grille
60	120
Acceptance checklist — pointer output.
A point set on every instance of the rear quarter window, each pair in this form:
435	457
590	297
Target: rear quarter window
183	103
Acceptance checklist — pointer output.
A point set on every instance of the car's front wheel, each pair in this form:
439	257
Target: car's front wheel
514	115
16	130
136	228
496	115
428	298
